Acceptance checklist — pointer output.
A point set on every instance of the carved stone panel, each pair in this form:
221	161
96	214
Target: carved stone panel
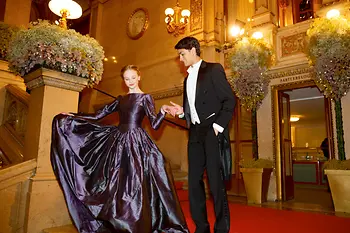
196	17
293	44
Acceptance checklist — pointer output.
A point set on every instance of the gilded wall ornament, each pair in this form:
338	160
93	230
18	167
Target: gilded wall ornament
293	44
137	23
196	15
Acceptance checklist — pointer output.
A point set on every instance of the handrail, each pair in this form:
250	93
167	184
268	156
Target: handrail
16	109
8	172
13	125
167	120
18	93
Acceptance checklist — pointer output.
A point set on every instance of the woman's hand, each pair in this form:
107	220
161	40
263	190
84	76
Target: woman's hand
169	109
177	108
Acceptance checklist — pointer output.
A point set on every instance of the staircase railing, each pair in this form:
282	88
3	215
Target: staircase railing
14	187
12	129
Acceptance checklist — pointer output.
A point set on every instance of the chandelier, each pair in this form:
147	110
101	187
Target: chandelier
67	9
176	19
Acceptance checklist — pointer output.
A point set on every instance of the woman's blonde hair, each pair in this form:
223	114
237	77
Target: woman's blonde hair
130	67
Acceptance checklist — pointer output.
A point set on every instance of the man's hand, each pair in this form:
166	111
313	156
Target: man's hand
167	109
216	131
178	110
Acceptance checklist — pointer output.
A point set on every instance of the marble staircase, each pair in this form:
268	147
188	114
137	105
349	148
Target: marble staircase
178	175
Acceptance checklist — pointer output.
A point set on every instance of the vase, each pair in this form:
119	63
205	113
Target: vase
339	183
256	183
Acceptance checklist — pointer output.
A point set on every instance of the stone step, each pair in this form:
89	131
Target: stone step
175	166
61	229
179	175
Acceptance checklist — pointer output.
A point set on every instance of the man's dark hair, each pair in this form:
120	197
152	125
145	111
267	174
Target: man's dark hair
189	43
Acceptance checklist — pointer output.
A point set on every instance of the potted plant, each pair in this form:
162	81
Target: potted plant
256	176
250	59
56	64
328	53
338	174
44	45
7	32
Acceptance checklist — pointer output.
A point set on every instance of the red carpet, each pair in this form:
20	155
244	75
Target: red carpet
248	219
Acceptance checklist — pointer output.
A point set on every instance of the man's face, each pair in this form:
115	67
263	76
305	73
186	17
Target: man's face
187	56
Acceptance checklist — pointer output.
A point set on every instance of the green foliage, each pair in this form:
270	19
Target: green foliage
335	164
50	46
7	32
250	59
256	163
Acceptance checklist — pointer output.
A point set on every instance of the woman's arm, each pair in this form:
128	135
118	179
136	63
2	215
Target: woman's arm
155	119
106	110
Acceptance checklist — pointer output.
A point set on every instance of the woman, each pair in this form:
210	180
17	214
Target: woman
114	178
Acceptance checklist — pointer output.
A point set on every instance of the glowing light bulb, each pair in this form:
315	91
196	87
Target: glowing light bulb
235	30
332	13
169	11
185	13
257	35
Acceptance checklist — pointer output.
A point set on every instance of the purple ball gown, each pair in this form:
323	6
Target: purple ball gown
115	179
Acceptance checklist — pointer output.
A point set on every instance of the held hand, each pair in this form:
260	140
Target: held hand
169	109
177	108
166	108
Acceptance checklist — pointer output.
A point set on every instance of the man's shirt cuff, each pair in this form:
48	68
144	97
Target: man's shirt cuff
218	127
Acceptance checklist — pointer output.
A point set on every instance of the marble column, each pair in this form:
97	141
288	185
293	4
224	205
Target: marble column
17	12
52	92
96	18
89	96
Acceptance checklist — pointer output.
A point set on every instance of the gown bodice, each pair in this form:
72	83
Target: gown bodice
132	108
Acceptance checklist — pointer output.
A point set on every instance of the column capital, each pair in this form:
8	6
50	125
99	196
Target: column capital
42	77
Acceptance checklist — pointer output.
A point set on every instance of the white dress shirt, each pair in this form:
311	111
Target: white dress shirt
191	88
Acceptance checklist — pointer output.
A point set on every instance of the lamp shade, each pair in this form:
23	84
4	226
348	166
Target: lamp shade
73	8
185	13
169	11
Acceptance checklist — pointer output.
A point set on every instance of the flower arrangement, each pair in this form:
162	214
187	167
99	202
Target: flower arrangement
50	46
256	163
328	53
250	60
7	33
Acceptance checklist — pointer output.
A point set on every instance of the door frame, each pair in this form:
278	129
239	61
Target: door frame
287	181
277	154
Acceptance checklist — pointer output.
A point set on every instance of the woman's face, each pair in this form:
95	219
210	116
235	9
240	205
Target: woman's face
131	79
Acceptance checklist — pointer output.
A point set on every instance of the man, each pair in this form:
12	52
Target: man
325	148
208	108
